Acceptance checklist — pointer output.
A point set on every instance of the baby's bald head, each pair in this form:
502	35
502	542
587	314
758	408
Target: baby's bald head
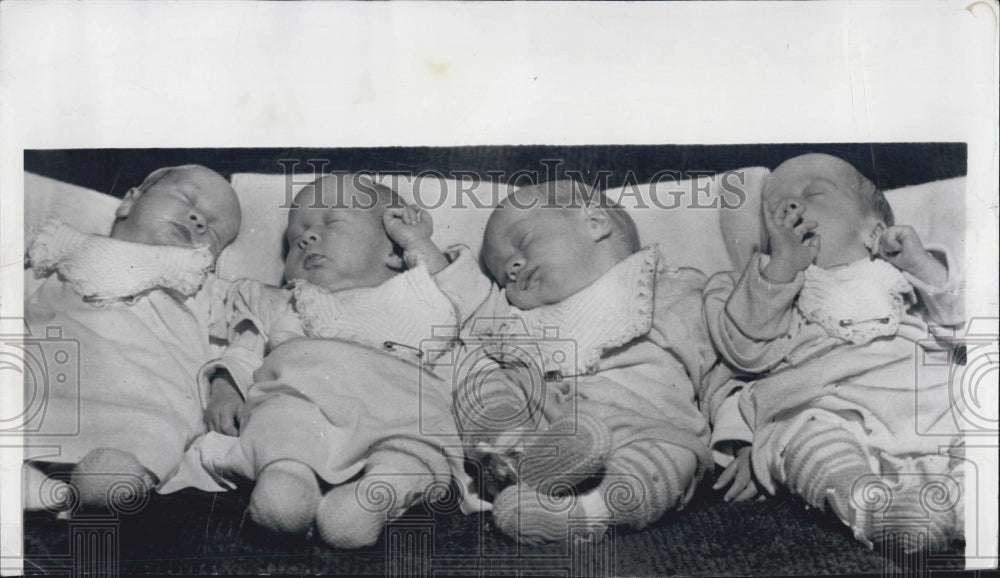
335	236
185	206
546	242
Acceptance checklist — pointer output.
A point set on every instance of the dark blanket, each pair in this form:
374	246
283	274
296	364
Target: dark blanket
198	533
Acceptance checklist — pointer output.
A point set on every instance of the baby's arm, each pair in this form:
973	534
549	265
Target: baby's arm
456	272
242	356
410	227
900	245
938	287
251	310
749	318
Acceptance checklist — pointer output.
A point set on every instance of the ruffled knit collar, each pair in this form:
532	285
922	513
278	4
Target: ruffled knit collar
572	335
403	316
102	269
858	302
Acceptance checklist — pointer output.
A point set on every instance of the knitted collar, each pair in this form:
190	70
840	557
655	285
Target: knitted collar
401	316
572	335
102	269
857	302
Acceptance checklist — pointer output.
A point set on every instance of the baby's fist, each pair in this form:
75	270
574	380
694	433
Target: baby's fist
407	225
900	245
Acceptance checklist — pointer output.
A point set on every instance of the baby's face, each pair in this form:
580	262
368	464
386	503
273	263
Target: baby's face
539	255
336	248
188	207
828	189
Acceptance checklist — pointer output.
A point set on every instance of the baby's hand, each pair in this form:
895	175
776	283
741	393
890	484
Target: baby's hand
224	402
740	473
407	225
791	249
900	245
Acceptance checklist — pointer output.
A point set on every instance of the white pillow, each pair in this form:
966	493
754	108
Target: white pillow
682	217
85	209
935	210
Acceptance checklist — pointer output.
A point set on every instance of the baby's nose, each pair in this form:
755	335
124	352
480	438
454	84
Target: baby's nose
308	239
198	221
514	266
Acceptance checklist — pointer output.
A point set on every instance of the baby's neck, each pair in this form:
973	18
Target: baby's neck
843	258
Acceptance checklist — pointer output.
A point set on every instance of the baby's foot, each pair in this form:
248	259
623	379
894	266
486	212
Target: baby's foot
110	479
343	521
285	497
926	513
571	450
532	517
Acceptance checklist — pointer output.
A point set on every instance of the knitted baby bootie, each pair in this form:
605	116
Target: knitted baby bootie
285	497
532	517
571	450
926	514
107	478
345	522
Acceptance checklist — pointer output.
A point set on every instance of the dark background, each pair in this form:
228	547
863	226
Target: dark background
888	165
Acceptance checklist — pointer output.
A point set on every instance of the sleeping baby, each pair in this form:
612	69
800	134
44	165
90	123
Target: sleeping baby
828	326
326	381
140	304
600	402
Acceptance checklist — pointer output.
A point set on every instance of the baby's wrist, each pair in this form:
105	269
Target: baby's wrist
222	384
415	243
425	251
929	270
779	270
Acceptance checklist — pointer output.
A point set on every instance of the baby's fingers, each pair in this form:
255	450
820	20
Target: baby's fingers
748	493
411	215
391	213
768	209
805	227
727	476
739	484
229	425
893	241
734	491
792	213
813	244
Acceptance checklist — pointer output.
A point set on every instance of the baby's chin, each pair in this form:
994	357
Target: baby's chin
537	298
521	302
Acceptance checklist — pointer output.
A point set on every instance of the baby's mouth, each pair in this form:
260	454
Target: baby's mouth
183	232
524	279
313	261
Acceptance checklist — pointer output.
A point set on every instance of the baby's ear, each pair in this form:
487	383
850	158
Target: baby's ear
128	201
394	260
874	234
598	222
